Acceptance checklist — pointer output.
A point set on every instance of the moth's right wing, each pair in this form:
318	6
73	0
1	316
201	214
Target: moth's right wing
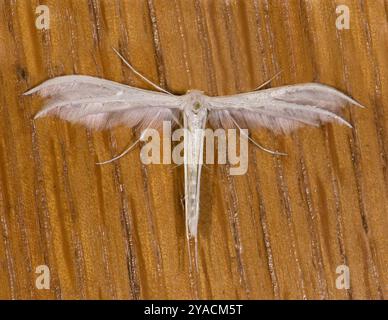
281	109
101	104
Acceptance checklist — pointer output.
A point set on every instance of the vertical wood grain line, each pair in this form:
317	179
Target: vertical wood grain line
334	182
338	209
9	255
182	31
126	217
44	215
232	41
206	49
386	9
306	188
263	212
79	262
73	37
151	220
72	22
234	223
259	39
12	278
281	183
356	165
127	225
10	263
285	201
157	45
265	229
231	35
144	172
100	199
94	15
378	110
44	222
10	136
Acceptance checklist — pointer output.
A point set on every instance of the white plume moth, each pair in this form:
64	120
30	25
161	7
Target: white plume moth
103	104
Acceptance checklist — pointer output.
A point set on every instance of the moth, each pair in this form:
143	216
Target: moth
103	104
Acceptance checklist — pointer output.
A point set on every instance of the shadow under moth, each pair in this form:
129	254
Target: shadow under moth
102	104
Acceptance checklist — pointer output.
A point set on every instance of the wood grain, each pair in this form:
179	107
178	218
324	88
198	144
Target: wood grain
117	231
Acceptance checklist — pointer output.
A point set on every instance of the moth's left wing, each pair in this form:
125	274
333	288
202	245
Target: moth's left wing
281	109
100	104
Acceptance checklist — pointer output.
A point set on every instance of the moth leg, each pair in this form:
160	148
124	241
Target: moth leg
176	166
176	120
132	145
121	154
268	81
183	201
276	153
140	75
254	142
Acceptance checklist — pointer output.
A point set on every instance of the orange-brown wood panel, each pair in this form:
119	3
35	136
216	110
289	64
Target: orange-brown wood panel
117	231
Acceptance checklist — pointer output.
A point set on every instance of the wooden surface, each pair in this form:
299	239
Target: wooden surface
117	231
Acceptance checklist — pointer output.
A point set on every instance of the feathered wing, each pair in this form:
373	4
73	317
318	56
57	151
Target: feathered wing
101	104
281	109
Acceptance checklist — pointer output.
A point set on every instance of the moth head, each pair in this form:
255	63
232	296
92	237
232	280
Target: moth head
196	107
195	100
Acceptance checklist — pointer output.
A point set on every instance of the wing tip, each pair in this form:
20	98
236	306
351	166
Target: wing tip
348	124
343	95
42	113
350	99
38	115
53	81
31	91
355	102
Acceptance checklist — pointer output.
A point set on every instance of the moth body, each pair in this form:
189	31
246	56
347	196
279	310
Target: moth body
194	120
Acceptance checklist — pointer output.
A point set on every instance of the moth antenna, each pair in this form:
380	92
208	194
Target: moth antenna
140	75
254	142
132	145
268	81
